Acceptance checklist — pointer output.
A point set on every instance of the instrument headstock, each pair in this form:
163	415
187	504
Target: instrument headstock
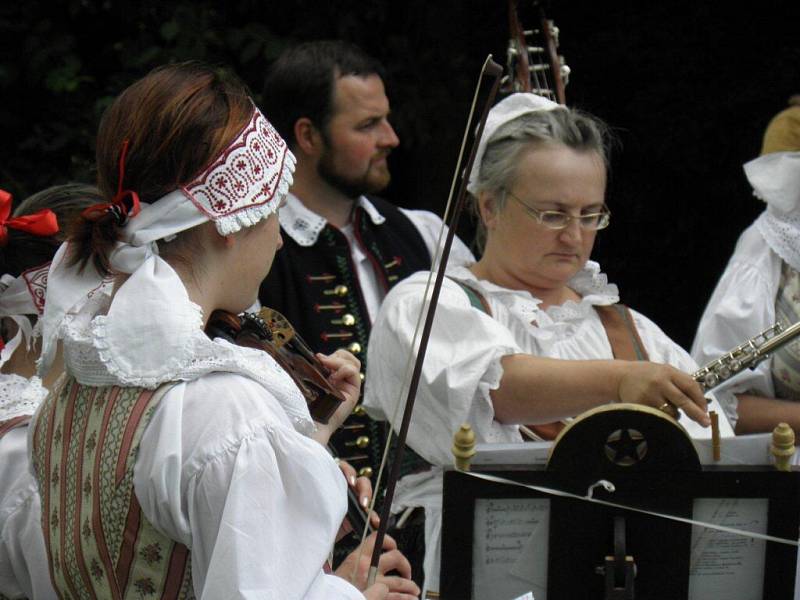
532	60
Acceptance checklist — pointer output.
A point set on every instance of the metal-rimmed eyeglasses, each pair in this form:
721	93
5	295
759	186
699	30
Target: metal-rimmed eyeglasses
558	219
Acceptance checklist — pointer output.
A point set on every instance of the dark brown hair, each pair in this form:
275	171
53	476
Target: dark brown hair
302	82
25	250
177	119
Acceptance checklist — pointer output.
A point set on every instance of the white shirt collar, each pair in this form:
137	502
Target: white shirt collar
150	332
590	283
303	225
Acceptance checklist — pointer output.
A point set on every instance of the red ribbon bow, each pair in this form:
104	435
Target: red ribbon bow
42	223
124	204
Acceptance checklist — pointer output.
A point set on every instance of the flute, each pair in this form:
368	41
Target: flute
745	356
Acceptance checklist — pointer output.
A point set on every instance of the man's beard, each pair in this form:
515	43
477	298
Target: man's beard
350	187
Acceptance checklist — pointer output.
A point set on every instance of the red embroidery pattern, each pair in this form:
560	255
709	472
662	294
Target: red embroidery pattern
247	174
36	280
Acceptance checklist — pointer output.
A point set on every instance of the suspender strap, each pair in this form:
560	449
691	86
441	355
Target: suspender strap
475	298
616	318
621	331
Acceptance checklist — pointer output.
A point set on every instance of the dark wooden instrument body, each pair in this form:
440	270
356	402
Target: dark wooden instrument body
288	350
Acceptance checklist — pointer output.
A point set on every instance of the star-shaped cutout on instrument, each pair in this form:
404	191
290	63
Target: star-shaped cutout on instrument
626	447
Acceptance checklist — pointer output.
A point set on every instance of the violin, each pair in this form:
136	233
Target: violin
270	331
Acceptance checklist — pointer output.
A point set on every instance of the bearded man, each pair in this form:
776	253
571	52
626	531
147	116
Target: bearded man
343	247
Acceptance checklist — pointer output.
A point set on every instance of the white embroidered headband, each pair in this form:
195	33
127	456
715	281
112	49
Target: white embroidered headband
242	186
247	181
508	109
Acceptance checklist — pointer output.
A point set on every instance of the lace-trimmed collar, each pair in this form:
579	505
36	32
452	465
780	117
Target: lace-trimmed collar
303	225
152	333
590	283
19	396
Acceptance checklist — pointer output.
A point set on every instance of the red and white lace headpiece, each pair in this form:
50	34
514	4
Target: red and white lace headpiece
242	186
19	297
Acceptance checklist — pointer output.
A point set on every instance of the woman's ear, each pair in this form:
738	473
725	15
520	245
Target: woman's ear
487	206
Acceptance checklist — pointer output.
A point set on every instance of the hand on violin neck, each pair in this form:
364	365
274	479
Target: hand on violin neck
362	486
344	377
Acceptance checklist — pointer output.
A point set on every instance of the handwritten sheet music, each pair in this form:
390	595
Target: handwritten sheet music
725	565
510	545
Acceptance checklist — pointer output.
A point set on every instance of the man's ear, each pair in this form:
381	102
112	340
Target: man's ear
307	136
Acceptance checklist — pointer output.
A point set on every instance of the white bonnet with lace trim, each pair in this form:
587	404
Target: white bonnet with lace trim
505	111
775	179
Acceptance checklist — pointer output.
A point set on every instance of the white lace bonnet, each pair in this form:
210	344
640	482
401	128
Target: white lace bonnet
775	179
505	111
243	185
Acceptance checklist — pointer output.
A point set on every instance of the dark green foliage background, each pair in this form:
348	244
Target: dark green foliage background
687	86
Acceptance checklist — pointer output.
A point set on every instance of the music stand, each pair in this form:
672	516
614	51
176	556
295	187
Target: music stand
568	548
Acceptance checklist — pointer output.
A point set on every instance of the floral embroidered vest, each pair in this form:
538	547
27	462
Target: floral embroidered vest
99	543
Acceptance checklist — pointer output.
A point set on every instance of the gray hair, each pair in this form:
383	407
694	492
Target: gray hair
566	126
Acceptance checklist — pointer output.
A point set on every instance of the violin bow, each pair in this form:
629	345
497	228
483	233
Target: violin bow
493	70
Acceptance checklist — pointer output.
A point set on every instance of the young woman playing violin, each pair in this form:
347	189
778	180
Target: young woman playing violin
170	463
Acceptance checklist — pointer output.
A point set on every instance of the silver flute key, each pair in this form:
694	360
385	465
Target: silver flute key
745	356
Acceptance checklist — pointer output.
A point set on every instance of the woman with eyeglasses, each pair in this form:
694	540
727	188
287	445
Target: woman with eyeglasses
525	337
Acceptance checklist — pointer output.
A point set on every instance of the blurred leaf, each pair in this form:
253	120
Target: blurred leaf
170	30
66	77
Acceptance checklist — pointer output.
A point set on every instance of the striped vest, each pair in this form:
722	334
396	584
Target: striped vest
98	542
